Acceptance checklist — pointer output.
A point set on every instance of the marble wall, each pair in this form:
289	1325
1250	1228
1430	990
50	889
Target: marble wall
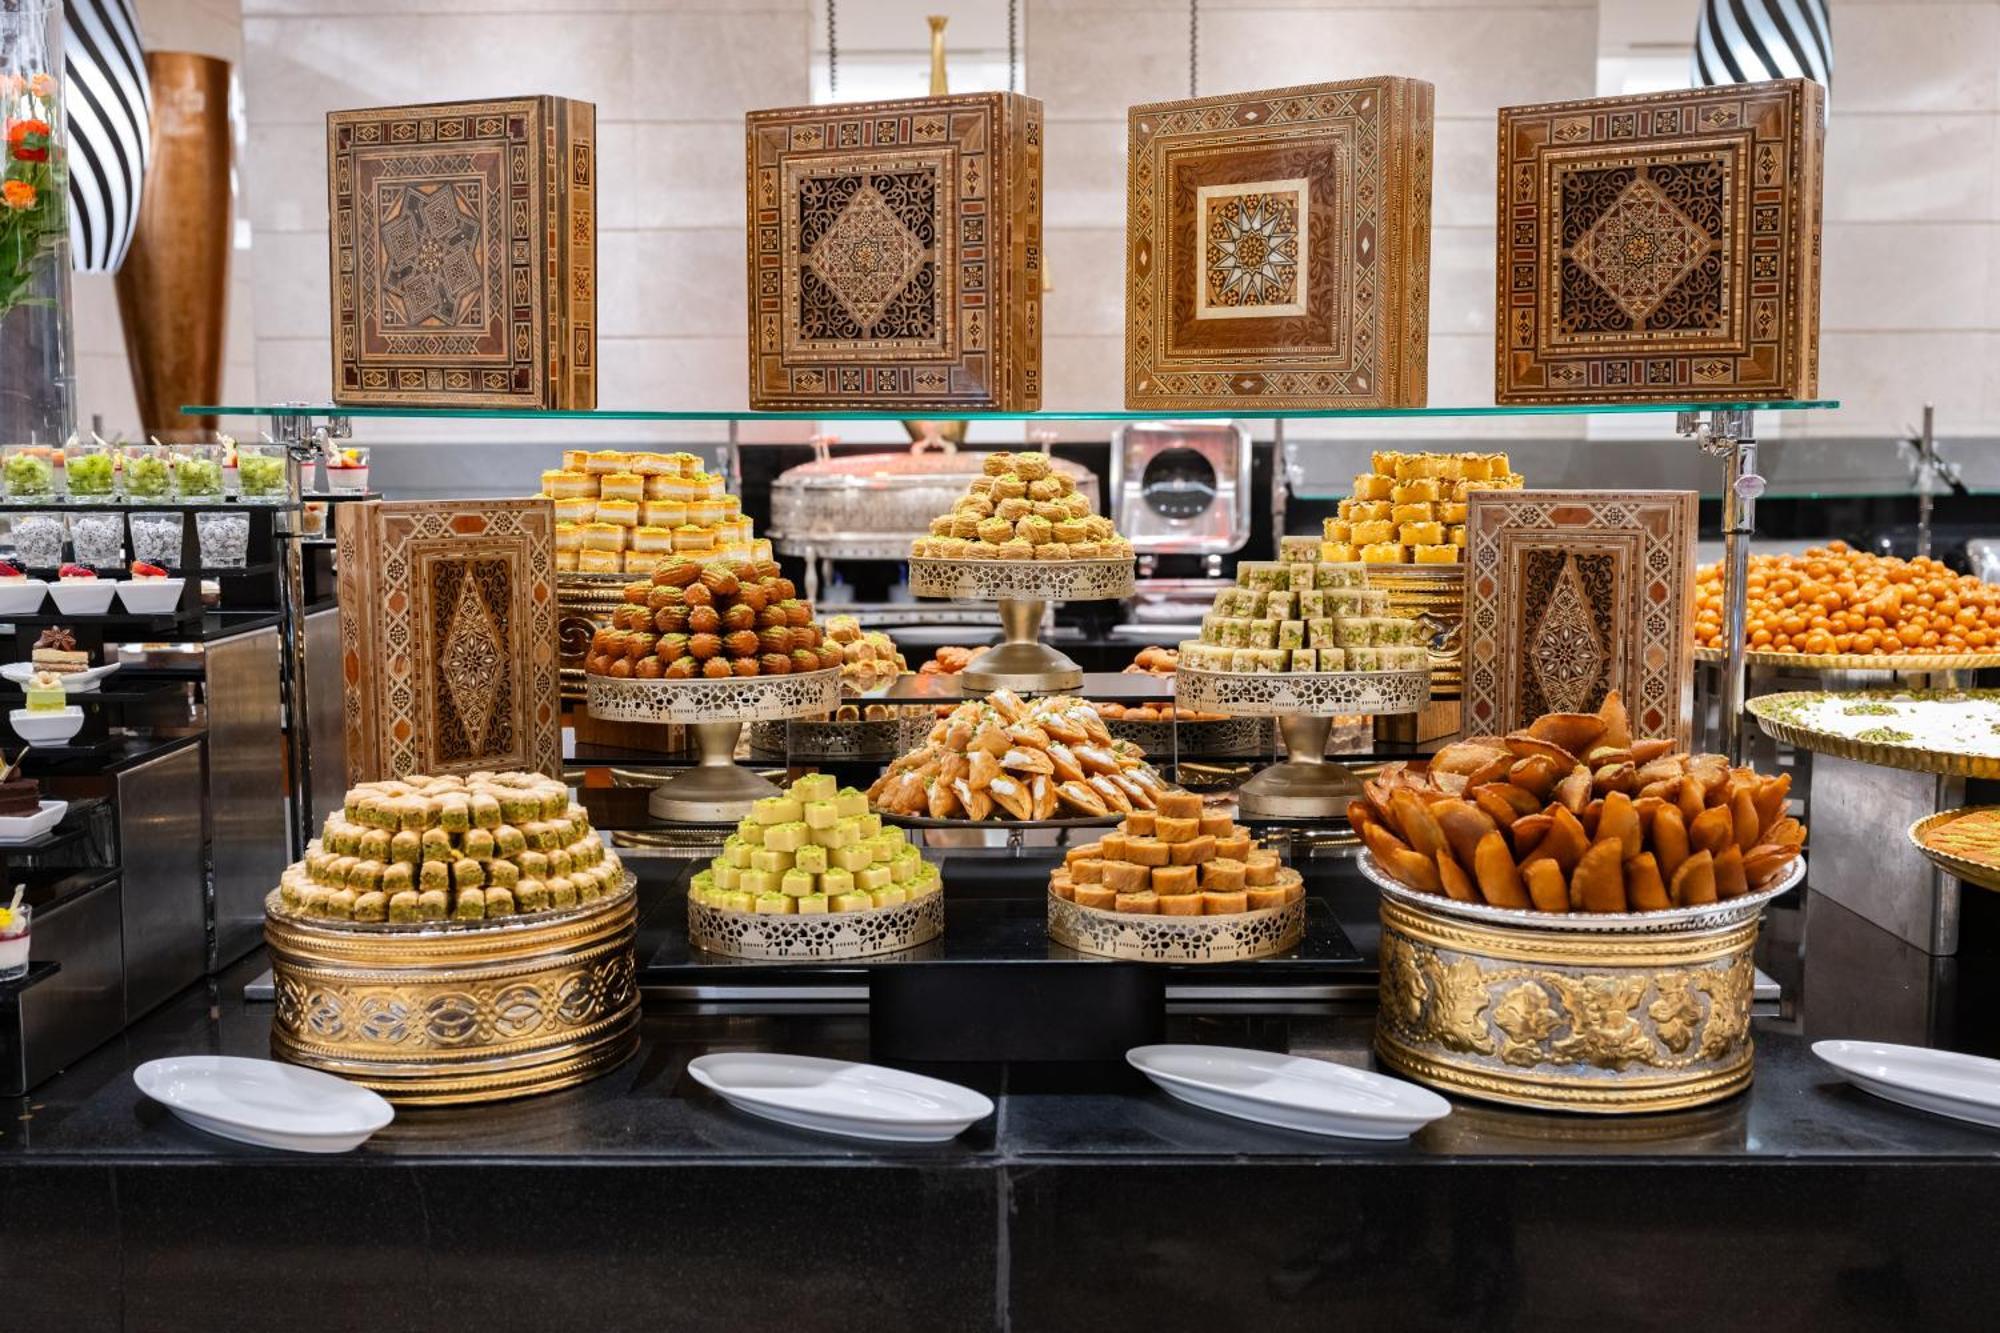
1912	305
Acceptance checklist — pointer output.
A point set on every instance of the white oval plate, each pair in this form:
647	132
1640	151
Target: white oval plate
76	682
1964	1087
264	1102
1291	1091
841	1097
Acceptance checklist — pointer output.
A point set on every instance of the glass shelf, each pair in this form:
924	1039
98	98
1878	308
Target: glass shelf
1246	413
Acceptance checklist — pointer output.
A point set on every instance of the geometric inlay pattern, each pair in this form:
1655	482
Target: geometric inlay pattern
865	258
448	637
1278	248
1572	594
895	254
1661	247
1641	249
464	254
1252	237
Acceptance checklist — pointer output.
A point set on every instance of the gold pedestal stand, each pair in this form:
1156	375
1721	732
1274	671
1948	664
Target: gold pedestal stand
1305	786
1022	589
715	790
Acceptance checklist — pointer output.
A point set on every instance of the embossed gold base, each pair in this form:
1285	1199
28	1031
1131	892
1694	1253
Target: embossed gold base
1595	1022
1176	939
1022	662
458	1014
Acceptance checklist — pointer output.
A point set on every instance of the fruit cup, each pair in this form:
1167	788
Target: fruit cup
14	924
29	471
198	471
347	470
90	471
149	472
260	472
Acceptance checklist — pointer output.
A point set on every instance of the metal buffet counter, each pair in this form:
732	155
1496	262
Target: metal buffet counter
1087	1198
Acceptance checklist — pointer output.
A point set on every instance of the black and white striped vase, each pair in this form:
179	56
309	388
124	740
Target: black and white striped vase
1749	41
109	104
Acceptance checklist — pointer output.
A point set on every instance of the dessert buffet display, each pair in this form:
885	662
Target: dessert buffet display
1953	733
1963	843
448	636
1569	914
1006	758
1574	815
872	506
1278	248
625	512
1573	594
895	255
1410	509
449	940
714	621
1662	247
1176	884
812	873
1833	606
1303	641
1022	536
712	646
869	660
465	259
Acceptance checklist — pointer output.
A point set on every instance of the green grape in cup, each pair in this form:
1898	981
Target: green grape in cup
90	474
148	476
28	474
260	474
200	478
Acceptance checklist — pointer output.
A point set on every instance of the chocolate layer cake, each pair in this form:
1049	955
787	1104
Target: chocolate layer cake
22	796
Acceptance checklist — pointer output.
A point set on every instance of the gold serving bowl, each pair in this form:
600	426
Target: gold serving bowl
452	1013
1648	1012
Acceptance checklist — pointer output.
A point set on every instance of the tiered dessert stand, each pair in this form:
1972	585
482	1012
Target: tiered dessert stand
1023	589
715	790
1305	703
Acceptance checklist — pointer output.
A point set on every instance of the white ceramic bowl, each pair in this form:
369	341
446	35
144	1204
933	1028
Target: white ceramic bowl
149	597
24	598
46	728
90	598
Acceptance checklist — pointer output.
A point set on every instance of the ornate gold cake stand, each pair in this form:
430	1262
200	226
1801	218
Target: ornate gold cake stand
1022	589
715	790
448	1013
1434	597
1305	704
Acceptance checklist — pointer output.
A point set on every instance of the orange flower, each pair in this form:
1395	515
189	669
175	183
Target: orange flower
18	195
42	85
28	140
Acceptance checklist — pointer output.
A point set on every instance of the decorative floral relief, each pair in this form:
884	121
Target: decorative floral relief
1526	1016
1676	1012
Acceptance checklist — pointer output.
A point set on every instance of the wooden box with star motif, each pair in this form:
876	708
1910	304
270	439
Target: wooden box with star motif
896	255
1570	594
448	636
1662	248
464	249
1278	248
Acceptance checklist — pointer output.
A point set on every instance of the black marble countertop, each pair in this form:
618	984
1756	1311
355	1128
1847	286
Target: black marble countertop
1089	1198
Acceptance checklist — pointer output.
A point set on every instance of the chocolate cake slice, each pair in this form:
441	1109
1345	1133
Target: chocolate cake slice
20	796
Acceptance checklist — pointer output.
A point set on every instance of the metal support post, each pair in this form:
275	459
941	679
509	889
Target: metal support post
1730	434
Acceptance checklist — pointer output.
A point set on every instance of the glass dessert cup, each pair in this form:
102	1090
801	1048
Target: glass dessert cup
198	472
157	536
260	473
14	941
90	471
31	471
149	472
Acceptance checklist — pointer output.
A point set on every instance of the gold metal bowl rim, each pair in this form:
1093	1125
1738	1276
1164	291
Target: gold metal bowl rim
1972	872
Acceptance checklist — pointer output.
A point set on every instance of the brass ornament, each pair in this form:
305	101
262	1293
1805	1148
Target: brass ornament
1567	1020
458	1015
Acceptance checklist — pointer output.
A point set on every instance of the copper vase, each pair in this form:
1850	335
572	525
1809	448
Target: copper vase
173	291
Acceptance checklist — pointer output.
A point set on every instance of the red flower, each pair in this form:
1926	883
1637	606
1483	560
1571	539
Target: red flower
28	140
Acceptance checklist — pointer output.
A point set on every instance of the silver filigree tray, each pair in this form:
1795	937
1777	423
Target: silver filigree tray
1301	693
874	738
1177	939
1028	580
821	935
1231	737
736	699
1672	920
